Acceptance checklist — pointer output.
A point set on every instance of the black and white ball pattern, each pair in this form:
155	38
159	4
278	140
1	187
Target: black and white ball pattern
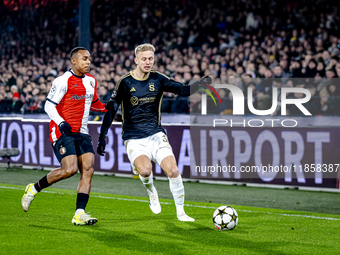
225	218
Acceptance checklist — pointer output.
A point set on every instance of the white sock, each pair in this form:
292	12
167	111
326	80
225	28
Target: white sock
34	190
177	190
79	211
147	182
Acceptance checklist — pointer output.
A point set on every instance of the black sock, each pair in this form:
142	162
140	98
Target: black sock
41	184
82	200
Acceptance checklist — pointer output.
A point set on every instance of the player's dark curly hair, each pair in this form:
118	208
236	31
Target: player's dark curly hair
75	50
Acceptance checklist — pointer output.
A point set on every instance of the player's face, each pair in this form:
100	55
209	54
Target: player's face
145	60
81	61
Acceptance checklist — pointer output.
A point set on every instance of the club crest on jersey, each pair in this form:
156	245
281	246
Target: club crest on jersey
92	84
134	100
62	150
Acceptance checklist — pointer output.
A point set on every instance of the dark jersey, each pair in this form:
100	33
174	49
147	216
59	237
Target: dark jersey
141	103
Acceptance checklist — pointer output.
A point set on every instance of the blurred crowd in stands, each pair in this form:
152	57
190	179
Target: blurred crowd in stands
247	43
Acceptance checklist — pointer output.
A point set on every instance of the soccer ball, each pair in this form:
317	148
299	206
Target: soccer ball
225	218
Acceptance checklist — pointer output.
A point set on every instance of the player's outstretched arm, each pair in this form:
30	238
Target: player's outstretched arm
191	89
98	106
112	108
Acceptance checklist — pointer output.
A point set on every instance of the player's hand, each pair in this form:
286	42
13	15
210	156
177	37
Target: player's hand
205	80
101	145
65	128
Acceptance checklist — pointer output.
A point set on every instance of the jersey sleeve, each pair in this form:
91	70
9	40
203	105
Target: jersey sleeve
120	92
50	109
112	106
168	84
58	90
98	106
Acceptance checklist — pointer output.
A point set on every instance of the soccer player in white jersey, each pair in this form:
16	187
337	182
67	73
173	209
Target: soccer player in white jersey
140	93
68	104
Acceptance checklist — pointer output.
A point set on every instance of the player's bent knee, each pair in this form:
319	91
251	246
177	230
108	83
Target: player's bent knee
173	173
144	172
143	166
71	170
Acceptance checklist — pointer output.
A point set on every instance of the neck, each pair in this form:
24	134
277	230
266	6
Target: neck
139	74
76	72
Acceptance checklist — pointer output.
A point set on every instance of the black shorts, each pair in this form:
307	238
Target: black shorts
75	144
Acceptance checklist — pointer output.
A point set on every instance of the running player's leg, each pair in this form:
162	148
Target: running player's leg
164	156
85	153
142	164
65	152
169	166
69	167
139	153
86	167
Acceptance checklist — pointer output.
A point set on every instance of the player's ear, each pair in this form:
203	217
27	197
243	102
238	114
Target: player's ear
73	61
136	61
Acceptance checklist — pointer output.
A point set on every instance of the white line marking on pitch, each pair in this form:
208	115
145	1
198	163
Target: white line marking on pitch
197	206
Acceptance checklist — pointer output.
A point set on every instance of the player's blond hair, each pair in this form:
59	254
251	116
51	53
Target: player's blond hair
144	47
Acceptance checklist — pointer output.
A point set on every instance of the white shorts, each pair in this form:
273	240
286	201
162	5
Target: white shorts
156	147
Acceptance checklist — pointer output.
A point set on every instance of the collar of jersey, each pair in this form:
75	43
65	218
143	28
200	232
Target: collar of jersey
75	74
138	79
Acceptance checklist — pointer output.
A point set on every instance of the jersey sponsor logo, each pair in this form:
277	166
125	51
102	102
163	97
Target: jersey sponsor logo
86	96
133	89
134	100
92	84
147	100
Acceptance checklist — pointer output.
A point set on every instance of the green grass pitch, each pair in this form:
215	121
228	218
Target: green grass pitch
127	226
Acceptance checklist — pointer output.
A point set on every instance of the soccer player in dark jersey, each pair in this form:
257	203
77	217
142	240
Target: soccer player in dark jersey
140	94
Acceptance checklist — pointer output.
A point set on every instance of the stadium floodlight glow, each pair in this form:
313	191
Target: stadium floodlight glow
238	100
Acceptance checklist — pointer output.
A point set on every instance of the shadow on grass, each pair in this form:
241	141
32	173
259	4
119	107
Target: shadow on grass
165	234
